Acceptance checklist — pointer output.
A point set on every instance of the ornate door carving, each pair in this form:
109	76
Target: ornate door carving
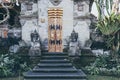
55	30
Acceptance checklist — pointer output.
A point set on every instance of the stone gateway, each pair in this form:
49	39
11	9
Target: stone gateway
54	21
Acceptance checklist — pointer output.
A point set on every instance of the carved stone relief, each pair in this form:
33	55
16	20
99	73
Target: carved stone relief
55	2
22	22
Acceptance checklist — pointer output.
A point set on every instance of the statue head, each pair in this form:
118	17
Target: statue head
34	36
74	36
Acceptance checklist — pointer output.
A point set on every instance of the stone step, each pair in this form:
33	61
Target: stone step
54	57
54	79
53	53
55	65
54	75
55	70
54	61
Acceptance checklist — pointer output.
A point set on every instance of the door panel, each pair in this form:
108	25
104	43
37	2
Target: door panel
55	30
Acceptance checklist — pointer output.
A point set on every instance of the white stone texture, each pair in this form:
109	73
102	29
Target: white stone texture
74	49
27	29
43	14
81	13
82	28
26	12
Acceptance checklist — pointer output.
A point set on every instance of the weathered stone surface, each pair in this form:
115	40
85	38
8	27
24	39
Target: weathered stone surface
35	49
14	49
74	49
59	69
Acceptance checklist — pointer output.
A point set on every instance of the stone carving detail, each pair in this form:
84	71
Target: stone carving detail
74	45
55	2
34	36
22	22
35	49
74	36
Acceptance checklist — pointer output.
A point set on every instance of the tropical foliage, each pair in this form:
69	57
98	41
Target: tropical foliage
103	66
109	25
103	5
13	64
5	65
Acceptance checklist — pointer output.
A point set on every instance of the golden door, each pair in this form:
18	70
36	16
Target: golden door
55	30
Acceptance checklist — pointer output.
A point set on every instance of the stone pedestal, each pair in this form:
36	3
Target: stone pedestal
74	49
35	49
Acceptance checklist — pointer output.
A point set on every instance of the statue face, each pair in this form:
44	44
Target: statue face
55	2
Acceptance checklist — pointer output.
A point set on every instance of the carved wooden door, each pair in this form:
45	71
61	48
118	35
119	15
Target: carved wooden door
55	30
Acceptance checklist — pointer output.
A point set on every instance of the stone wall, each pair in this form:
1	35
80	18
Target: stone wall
82	20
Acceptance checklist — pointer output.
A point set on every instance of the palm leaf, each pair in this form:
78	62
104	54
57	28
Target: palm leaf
107	6
109	25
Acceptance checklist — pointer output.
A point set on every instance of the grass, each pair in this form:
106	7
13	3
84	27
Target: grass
97	77
15	78
90	77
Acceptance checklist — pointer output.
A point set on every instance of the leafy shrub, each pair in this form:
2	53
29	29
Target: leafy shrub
3	50
101	66
12	65
19	64
6	66
86	57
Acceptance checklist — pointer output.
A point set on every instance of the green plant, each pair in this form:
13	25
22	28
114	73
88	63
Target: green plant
109	26
92	70
3	50
6	65
95	67
103	66
20	65
103	5
99	77
110	29
12	65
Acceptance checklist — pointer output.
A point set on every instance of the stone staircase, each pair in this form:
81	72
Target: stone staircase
54	66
